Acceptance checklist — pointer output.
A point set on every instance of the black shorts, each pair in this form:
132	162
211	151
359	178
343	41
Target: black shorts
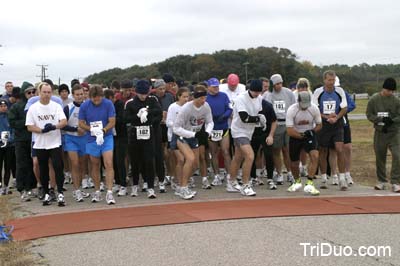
164	133
296	145
347	134
203	141
329	135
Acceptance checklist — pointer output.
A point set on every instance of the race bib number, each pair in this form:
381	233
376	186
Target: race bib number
143	132
383	114
329	107
216	135
95	124
279	107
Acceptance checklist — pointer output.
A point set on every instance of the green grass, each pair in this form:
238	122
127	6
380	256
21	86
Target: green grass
361	106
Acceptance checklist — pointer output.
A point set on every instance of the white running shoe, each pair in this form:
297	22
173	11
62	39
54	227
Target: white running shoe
290	178
134	191
343	183
239	179
110	198
349	180
102	187
85	183
96	197
61	200
247	190
145	187
185	193
78	195
233	186
90	182
217	181
271	184
295	187
191	182
162	187
67	178
381	186
115	188
122	191
167	180
279	179
324	182
25	196
335	180
206	184
151	194
47	200
259	181
396	188
310	189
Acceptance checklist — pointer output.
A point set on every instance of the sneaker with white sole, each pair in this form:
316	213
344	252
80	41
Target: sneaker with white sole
185	193
61	200
396	188
151	194
134	191
78	195
110	198
271	184
115	188
239	180
102	187
324	182
217	181
310	189
279	179
167	180
85	183
295	187
335	180
85	194
232	186
96	196
191	182
145	187
46	200
381	186
259	181
161	187
25	196
247	190
349	180
206	184
122	191
90	182
290	178
343	183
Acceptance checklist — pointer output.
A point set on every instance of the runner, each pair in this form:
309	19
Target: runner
141	113
245	117
97	116
332	104
6	148
219	141
303	120
187	128
44	119
281	98
383	110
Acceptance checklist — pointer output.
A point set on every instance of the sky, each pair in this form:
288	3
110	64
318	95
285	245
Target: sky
79	38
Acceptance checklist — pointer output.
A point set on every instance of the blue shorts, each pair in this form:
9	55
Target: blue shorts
97	150
63	140
192	142
75	143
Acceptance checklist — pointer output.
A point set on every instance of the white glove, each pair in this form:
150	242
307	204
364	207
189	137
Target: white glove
99	139
143	117
141	110
4	138
263	121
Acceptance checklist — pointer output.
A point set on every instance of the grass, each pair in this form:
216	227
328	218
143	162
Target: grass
14	253
361	106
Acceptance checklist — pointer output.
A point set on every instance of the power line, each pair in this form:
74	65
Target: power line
43	75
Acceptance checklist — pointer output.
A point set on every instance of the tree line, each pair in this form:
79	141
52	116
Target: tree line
257	62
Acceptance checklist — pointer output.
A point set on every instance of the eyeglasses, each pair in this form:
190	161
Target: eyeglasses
31	92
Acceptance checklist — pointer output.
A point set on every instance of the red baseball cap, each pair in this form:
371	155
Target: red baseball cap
233	80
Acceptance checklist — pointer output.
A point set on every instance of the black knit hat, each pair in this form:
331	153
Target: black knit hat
168	78
256	85
126	84
63	87
389	84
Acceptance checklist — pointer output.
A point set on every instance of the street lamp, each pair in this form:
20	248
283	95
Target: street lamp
245	69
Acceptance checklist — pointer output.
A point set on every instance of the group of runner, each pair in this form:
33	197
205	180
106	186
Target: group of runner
239	135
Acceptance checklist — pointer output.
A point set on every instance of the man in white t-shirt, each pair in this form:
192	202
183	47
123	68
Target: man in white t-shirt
233	88
44	119
303	120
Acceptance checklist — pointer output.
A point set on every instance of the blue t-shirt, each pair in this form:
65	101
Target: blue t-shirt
221	111
93	113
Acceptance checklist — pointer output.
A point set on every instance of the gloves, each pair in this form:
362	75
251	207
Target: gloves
201	134
388	121
263	121
142	114
309	134
98	133
48	127
99	139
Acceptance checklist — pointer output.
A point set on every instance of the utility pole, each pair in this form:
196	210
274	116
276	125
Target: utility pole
43	75
245	69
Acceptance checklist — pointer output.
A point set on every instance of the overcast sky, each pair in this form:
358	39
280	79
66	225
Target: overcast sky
78	38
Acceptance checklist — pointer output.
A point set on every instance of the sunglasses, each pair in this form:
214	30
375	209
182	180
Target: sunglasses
31	92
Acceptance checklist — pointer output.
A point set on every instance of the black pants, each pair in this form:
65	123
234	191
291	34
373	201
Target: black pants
56	158
24	168
120	148
141	156
159	154
6	159
256	142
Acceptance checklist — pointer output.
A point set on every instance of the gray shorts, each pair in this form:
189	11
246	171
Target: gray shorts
281	138
241	141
